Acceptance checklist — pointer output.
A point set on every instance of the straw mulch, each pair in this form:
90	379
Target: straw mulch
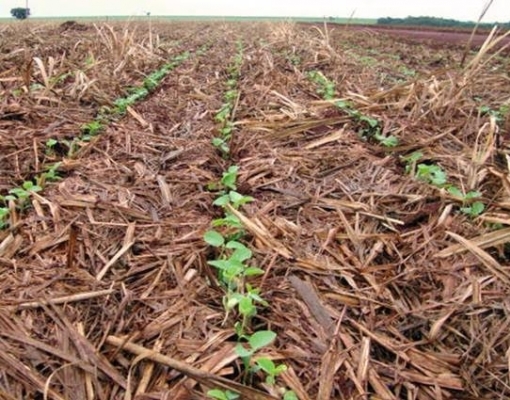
378	287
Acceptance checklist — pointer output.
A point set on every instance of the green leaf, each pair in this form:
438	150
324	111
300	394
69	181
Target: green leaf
242	351
19	192
220	264
51	143
413	157
474	210
222	200
231	303
222	394
241	252
229	220
253	271
455	191
390	141
29	186
290	395
431	173
214	238
473	195
246	307
261	339
217	142
372	122
267	365
4	212
217	394
238	199
229	177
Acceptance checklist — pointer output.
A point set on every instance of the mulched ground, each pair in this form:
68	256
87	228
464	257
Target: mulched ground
378	287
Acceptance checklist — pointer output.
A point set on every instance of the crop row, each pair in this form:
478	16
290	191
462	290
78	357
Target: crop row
17	197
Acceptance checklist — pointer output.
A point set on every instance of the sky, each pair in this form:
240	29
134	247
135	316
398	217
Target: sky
467	10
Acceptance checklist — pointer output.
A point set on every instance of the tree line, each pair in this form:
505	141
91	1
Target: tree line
438	22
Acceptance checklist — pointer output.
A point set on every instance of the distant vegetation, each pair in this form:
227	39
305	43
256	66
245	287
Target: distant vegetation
437	22
20	13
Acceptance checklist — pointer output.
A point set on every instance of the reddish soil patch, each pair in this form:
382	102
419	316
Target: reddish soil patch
435	36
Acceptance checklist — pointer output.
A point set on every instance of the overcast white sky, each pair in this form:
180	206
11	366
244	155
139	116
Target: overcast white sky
458	9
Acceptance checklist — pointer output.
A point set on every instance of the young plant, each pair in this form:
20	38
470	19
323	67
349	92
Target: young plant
90	130
50	146
219	394
225	113
370	127
470	207
270	368
411	161
432	174
254	343
22	193
4	214
325	88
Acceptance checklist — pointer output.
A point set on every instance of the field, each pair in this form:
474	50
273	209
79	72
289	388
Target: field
253	210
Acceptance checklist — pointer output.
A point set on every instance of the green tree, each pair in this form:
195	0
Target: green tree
20	12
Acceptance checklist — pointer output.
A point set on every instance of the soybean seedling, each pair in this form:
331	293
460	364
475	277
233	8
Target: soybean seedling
22	193
411	161
470	207
432	174
50	146
254	343
218	394
233	270
325	88
370	127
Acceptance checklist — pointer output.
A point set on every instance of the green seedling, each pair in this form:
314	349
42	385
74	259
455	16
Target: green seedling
50	146
498	114
23	192
221	144
231	263
229	177
326	88
290	395
370	127
344	105
226	131
432	174
407	71
411	161
231	83
233	198
230	221
4	214
121	104
474	209
50	175
387	141
91	129
254	343
232	271
218	394
51	143
270	368
224	113
470	207
230	95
